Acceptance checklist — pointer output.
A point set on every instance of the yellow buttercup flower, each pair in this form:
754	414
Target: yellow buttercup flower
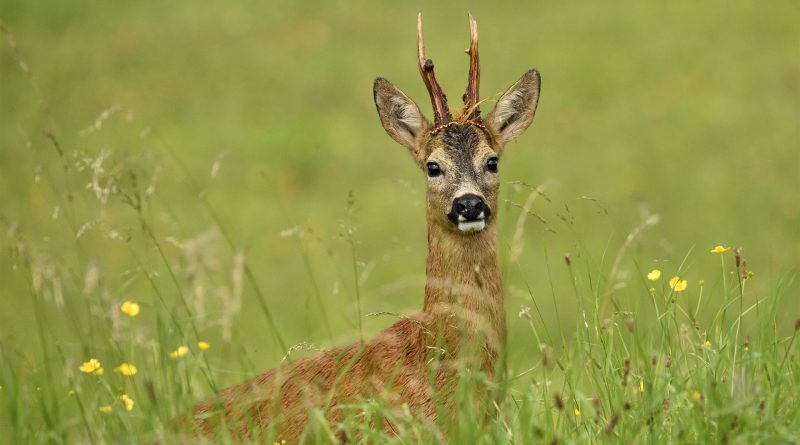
677	284
180	352
126	369
105	409
127	401
203	346
641	385
577	412
130	308
654	275
720	249
92	367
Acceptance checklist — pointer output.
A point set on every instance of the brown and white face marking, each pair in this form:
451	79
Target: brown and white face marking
459	158
462	179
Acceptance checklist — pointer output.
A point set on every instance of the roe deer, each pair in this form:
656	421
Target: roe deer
416	361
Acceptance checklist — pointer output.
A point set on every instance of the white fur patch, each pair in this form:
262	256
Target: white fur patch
472	226
508	106
408	113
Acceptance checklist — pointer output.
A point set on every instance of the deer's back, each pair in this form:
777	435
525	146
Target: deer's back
390	367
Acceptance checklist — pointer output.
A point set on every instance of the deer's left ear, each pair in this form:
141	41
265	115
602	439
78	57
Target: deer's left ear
514	111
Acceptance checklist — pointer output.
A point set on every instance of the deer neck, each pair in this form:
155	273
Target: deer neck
463	293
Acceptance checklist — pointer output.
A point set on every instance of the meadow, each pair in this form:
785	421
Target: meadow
221	169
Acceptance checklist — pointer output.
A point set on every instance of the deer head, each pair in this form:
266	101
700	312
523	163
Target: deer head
458	155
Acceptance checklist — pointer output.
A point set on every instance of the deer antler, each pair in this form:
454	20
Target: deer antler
472	110
441	114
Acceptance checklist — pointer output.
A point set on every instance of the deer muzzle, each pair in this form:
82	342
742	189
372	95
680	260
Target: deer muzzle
469	213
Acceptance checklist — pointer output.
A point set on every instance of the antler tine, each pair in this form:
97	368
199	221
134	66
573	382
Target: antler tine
441	114
471	96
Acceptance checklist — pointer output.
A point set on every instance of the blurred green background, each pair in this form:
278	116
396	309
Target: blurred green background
688	110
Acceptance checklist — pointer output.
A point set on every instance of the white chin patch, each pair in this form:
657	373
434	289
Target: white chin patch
472	226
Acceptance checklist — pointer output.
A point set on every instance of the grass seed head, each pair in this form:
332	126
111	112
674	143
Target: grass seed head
612	424
558	401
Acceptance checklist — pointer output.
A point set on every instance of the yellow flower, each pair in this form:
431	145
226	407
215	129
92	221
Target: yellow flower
677	284
126	369
92	367
720	249
127	401
180	352
105	409
641	385
654	275
577	412
708	343
203	346
129	308
696	395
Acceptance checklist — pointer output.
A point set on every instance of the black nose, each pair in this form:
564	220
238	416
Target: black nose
469	207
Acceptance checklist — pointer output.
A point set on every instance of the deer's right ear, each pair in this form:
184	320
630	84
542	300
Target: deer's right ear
399	115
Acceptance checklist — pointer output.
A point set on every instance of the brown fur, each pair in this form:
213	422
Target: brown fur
463	301
416	361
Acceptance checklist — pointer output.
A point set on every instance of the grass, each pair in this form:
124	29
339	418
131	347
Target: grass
223	168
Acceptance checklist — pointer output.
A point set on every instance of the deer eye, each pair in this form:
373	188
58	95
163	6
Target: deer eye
491	165
433	169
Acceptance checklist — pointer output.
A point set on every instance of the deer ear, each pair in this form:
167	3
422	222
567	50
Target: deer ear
399	115
514	111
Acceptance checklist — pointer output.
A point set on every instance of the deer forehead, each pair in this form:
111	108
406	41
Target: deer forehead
461	147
